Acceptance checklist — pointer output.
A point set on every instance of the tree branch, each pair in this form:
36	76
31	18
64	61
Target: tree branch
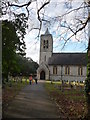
39	18
27	4
74	33
76	9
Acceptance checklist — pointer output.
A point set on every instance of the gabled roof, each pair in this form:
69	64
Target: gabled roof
68	59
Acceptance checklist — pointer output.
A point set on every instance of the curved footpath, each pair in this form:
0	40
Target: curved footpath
32	102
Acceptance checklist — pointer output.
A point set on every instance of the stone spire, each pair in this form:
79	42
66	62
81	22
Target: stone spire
47	32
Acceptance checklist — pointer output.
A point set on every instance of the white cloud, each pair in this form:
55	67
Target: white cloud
32	45
33	52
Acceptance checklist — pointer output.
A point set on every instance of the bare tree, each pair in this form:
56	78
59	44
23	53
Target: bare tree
71	23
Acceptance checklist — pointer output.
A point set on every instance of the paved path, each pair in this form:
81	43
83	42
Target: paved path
32	102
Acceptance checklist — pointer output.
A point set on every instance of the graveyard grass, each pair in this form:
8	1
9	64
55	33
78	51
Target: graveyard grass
71	102
10	90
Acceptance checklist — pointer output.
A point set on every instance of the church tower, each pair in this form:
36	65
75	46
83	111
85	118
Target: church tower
46	50
46	47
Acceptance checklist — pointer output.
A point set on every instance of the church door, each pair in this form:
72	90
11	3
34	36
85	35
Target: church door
42	75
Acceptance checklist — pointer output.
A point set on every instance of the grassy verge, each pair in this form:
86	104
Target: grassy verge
10	90
71	102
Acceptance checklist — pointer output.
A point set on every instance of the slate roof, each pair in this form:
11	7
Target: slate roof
68	59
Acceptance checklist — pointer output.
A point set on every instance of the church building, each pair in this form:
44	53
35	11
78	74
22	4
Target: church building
59	66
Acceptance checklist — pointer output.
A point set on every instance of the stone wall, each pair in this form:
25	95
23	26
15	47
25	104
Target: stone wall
73	73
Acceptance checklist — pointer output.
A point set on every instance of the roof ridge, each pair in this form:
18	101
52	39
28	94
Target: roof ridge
68	59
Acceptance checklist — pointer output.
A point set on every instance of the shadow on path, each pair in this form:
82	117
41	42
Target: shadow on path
32	102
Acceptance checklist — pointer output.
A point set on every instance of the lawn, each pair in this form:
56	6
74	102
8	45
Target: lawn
10	90
71	101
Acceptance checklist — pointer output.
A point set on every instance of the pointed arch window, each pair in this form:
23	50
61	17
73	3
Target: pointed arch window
80	71
45	44
45	58
67	70
55	70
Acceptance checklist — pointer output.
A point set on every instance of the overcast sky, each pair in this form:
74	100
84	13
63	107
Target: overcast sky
59	33
53	9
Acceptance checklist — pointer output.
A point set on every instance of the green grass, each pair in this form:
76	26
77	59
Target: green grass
10	90
59	83
74	94
77	98
54	82
17	84
50	86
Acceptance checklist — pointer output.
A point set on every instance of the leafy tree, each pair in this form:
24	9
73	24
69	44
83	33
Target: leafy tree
20	23
9	41
12	42
28	66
